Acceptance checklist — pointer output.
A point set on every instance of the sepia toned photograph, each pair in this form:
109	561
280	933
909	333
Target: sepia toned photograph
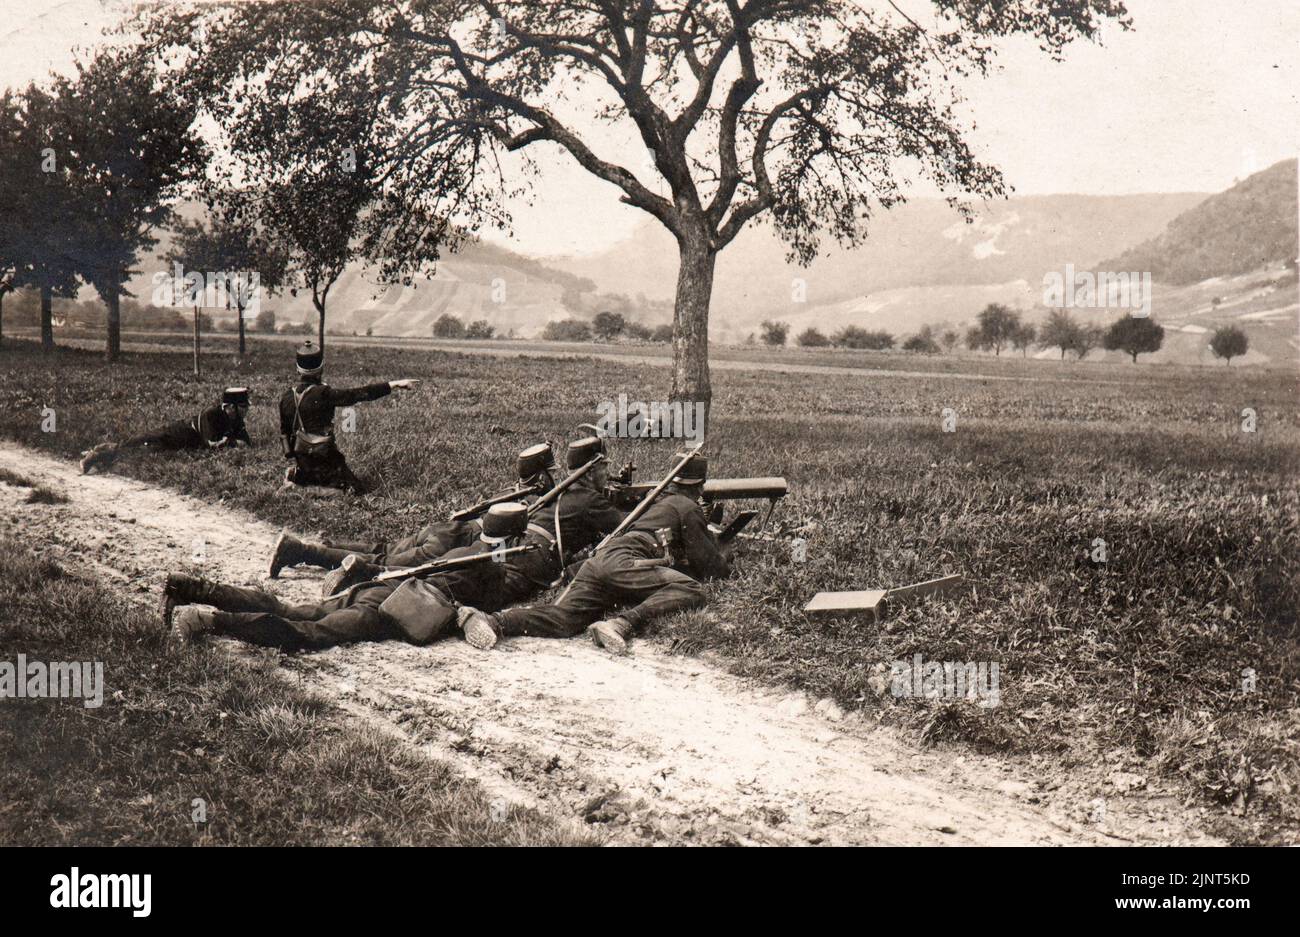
651	423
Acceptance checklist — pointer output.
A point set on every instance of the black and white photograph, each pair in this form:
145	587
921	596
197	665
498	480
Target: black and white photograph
608	423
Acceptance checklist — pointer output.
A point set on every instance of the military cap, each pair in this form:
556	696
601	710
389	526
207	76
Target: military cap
503	521
694	471
582	451
534	459
310	357
235	395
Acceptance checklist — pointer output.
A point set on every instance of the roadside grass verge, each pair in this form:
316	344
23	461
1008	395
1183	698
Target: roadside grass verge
1135	663
272	764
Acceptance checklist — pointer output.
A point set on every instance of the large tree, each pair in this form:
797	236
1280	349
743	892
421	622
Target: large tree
811	113
39	204
128	153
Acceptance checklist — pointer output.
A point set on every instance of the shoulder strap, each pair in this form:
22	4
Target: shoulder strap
297	405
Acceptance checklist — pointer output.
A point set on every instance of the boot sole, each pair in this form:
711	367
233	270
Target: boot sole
611	643
480	636
273	568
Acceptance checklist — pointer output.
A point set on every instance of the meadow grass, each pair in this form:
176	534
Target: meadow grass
1138	659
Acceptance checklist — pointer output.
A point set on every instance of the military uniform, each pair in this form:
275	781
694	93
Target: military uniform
643	568
218	426
259	617
428	544
309	408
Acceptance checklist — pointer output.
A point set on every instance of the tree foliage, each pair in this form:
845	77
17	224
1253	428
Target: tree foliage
1228	342
802	111
1134	336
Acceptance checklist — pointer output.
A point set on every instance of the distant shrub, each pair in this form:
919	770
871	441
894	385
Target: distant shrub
479	328
567	330
853	336
811	338
294	328
774	333
662	333
637	331
447	326
608	325
922	343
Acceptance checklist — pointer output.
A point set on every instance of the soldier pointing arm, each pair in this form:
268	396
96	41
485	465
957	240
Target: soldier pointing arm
307	422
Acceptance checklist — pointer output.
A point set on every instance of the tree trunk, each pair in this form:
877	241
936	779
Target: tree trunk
196	341
320	336
2	317
114	347
691	323
239	311
47	318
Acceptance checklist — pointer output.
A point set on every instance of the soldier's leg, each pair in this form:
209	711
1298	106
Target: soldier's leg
657	591
349	618
585	601
430	543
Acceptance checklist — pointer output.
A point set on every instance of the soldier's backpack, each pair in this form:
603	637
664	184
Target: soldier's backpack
422	612
305	443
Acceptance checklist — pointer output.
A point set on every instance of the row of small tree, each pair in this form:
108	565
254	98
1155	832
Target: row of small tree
998	327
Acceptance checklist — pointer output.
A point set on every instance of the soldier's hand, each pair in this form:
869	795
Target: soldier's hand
404	384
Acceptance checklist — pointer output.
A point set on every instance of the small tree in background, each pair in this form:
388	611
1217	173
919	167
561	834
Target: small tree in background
774	333
1022	338
1134	336
265	322
479	328
1059	331
1228	342
811	338
636	330
922	342
448	326
1086	338
949	340
608	326
995	328
662	333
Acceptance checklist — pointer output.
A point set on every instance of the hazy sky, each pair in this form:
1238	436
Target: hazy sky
1200	93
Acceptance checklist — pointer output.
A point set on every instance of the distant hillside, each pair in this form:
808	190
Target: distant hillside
921	244
1234	232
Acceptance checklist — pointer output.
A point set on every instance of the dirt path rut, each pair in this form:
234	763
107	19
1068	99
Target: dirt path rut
654	747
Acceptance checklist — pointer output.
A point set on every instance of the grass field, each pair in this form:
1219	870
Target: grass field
1135	662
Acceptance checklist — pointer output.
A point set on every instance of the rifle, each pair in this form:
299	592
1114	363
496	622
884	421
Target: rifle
649	499
640	508
438	566
547	499
477	510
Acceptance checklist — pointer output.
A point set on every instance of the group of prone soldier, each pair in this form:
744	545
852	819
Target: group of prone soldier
465	574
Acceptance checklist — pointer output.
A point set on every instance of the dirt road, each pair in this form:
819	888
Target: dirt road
654	748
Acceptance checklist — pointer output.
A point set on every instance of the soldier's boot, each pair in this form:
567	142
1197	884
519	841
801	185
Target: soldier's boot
101	456
194	590
290	551
611	634
352	571
190	622
480	629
